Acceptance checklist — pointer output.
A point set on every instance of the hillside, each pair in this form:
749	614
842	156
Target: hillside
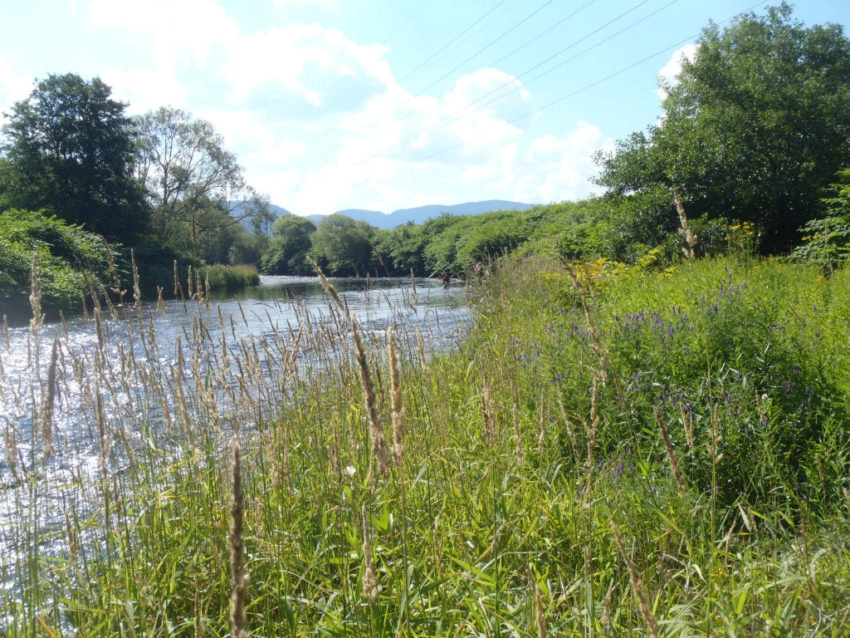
421	214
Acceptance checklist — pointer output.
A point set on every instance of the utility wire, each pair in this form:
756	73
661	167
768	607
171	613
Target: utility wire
488	45
585	87
451	42
395	30
456	115
407	75
537	37
576	56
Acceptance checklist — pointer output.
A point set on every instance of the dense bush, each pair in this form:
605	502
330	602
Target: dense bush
743	362
230	278
71	262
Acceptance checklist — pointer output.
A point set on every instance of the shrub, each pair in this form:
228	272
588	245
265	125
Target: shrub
71	261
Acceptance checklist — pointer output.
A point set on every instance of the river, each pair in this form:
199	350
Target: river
81	398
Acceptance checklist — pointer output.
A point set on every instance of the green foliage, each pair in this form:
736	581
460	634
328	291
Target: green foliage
534	494
404	248
754	130
230	278
188	178
710	346
69	149
155	264
731	355
69	260
343	246
287	250
826	241
636	223
440	252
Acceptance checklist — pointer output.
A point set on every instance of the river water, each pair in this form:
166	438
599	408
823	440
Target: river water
79	399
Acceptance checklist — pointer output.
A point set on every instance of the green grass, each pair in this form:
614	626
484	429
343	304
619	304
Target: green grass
522	448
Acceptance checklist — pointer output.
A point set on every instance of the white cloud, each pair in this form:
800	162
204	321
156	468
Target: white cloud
320	123
286	57
13	88
145	90
183	32
668	76
489	90
560	168
456	127
545	169
328	4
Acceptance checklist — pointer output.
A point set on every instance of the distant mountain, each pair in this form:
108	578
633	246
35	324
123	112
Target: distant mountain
374	217
417	215
422	214
278	211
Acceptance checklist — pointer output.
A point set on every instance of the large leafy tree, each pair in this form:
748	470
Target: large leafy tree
69	149
190	179
289	246
402	247
343	246
754	129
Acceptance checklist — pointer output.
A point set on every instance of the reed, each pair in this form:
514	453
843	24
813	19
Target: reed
636	582
527	494
671	454
379	451
47	404
369	579
398	418
239	576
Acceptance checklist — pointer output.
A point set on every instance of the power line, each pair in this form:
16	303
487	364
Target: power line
585	87
395	30
542	33
481	50
466	30
451	42
453	117
407	20
488	45
588	49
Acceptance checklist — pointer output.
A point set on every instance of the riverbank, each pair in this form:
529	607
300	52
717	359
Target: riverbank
612	450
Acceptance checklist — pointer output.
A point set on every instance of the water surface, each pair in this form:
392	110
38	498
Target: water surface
141	378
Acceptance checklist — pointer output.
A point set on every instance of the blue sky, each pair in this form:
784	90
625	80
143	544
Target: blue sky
384	104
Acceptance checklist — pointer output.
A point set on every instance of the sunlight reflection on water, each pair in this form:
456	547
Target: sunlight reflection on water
119	385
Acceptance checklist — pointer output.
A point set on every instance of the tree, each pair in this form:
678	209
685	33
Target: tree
343	245
403	246
754	129
289	246
69	149
440	251
188	176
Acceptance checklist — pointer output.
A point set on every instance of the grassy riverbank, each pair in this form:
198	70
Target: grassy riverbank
614	450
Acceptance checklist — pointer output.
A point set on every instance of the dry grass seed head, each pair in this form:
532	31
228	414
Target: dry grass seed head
239	576
638	588
487	413
398	416
370	581
47	401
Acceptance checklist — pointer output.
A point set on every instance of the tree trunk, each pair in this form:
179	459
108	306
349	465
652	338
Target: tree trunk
690	238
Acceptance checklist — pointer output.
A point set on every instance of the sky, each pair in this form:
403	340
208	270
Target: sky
384	104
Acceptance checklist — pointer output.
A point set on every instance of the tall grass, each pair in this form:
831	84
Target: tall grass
609	452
